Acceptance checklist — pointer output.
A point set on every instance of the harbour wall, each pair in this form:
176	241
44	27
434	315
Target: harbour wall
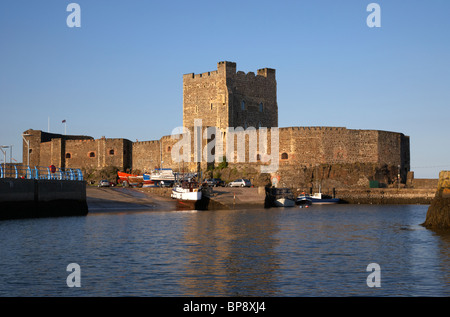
438	214
231	198
387	196
33	198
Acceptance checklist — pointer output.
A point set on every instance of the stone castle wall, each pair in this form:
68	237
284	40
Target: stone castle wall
76	151
225	98
331	156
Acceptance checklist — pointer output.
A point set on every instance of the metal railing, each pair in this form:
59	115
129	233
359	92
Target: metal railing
40	172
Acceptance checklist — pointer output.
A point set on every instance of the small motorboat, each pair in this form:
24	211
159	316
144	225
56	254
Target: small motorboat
316	199
187	191
279	197
284	202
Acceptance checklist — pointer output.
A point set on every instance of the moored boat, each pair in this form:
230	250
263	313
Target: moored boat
187	191
279	197
316	199
130	179
162	174
148	182
284	202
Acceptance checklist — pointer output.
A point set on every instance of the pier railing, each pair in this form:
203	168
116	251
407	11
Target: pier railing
40	172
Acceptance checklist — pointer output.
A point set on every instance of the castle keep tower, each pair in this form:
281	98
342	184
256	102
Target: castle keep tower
225	98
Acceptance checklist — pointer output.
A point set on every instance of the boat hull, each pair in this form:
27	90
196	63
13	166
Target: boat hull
284	202
130	179
188	196
317	201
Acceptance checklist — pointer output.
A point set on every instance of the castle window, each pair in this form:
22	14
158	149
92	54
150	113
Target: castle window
211	106
258	157
111	152
261	107
91	154
68	155
284	156
168	149
242	105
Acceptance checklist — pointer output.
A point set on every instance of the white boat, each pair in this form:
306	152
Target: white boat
187	191
279	197
316	199
284	202
162	174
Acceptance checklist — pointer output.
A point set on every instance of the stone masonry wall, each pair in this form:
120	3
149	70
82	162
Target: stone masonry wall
224	98
205	96
438	214
253	99
98	153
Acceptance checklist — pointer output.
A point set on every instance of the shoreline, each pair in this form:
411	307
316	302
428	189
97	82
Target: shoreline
118	199
226	198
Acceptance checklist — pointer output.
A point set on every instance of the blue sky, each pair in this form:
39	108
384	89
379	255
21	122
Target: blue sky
120	74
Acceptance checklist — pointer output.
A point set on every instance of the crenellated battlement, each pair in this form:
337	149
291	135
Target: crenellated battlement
228	69
146	142
315	128
227	98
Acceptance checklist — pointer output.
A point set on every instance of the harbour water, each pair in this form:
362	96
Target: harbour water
319	251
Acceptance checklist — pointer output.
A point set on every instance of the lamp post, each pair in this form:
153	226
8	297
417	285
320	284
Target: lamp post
4	155
4	161
28	147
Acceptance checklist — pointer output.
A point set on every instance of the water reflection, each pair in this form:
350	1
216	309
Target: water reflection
268	252
231	253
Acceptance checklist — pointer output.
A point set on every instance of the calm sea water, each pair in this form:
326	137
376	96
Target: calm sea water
319	251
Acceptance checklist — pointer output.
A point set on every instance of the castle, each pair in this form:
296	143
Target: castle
224	98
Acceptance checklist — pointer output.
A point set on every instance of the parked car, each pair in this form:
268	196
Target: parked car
242	182
209	182
219	182
214	182
104	183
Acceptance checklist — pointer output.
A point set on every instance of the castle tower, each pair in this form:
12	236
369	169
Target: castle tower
226	98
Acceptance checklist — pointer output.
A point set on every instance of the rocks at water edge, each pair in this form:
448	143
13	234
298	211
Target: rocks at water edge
438	214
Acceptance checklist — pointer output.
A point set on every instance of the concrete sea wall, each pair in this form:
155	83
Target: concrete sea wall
30	198
392	196
230	198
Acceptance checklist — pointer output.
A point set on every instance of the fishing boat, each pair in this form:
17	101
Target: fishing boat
189	191
130	179
316	199
188	195
279	197
162	174
148	182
